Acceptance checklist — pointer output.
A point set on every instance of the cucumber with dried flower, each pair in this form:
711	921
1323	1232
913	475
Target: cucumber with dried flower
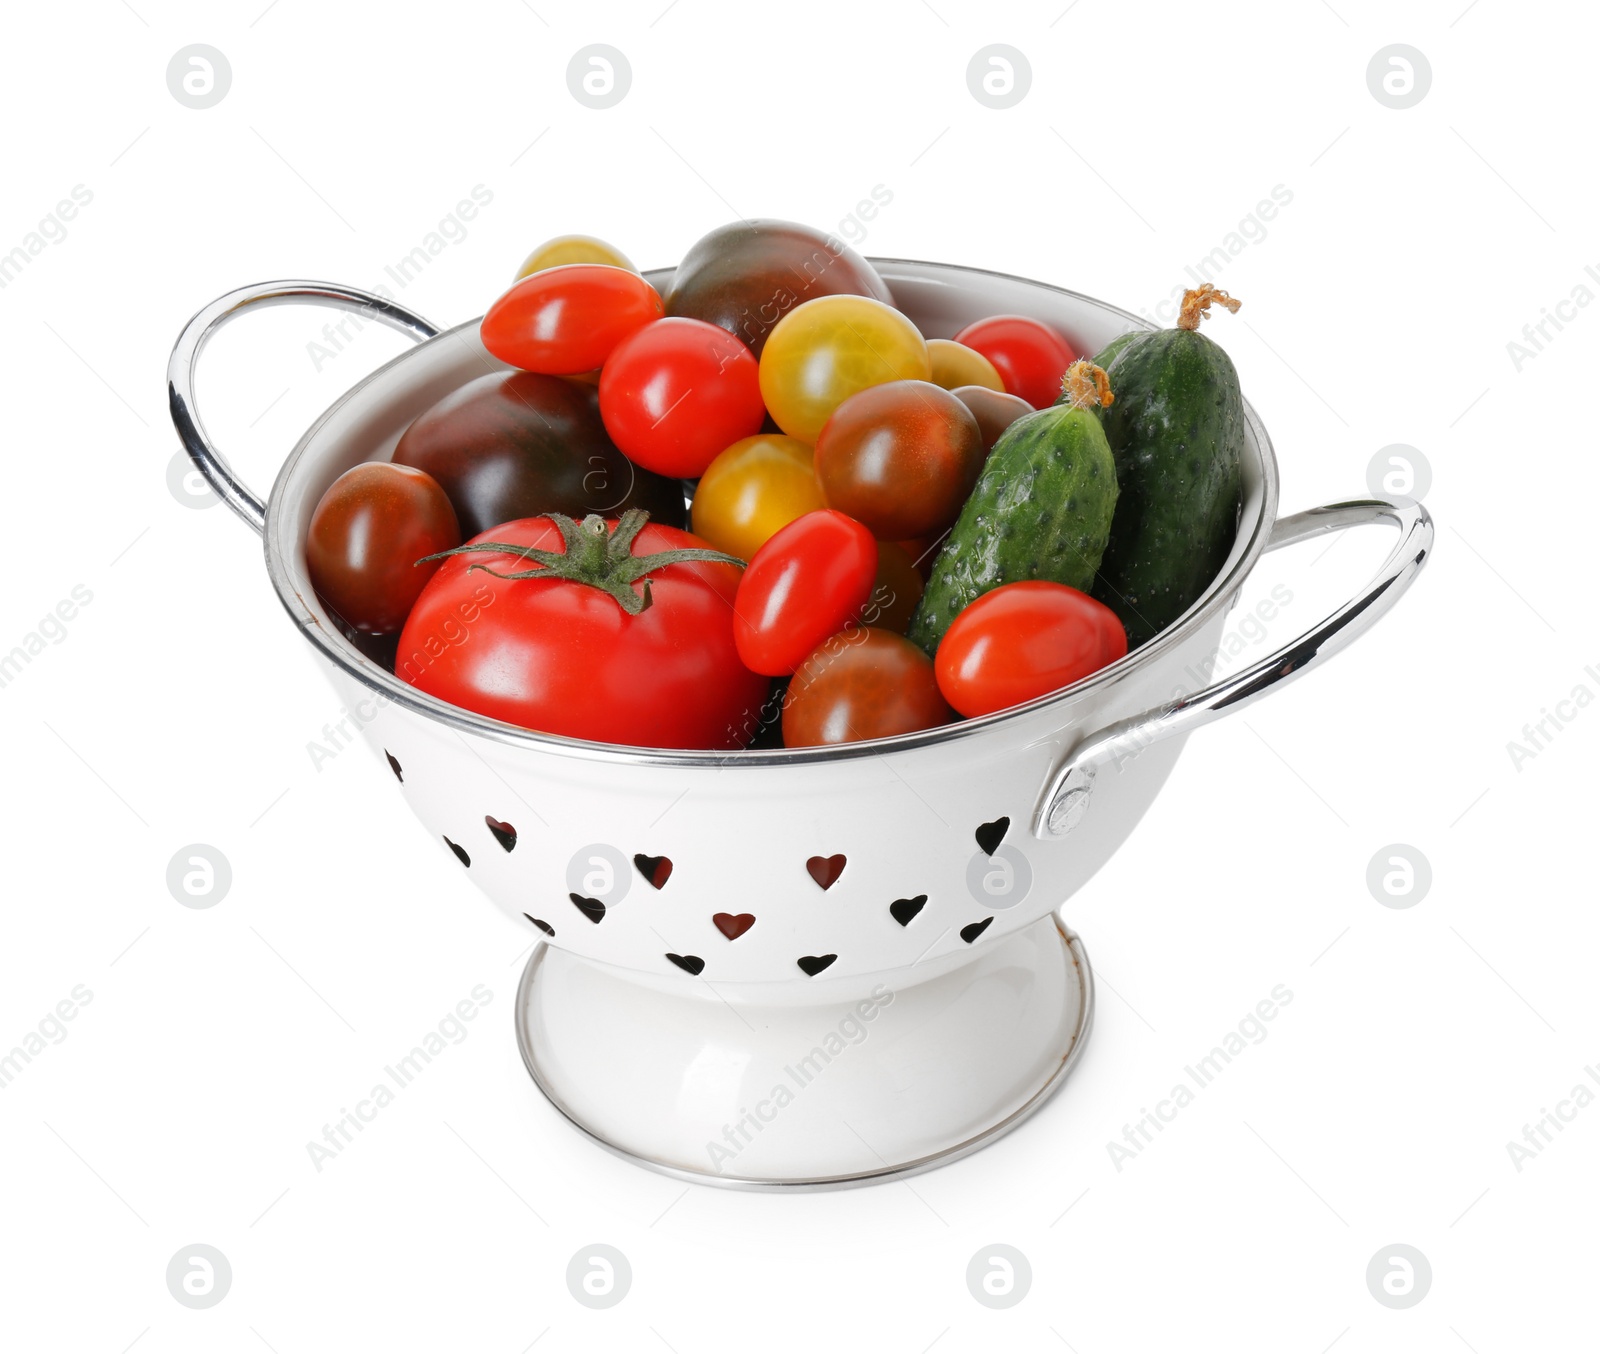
1042	508
1177	432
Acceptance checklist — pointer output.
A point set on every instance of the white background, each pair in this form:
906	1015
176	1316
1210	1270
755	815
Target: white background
179	705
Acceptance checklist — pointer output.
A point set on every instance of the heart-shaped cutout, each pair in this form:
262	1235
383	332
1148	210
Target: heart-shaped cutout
657	869
592	908
461	855
504	833
825	870
544	926
990	835
394	766
971	933
813	964
689	963
733	926
903	910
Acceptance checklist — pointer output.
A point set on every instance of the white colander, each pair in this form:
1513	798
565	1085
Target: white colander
793	967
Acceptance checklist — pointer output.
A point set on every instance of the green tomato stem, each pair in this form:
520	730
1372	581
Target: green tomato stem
594	556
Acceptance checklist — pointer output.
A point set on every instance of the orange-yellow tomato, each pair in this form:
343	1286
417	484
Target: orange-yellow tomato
826	350
955	364
573	249
753	488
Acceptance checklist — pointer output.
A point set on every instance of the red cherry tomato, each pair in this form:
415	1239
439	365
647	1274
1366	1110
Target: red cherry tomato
861	683
565	321
678	391
1030	357
807	582
1024	640
367	534
900	457
563	657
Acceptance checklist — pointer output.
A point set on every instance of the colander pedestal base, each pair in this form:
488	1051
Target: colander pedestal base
814	1085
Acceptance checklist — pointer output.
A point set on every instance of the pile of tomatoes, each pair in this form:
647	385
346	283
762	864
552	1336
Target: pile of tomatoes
525	552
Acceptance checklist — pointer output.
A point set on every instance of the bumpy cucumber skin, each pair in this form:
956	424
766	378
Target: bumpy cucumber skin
1176	429
1042	508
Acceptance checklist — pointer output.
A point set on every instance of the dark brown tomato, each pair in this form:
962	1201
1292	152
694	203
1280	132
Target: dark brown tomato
520	444
895	591
923	550
863	683
900	458
366	535
746	276
994	409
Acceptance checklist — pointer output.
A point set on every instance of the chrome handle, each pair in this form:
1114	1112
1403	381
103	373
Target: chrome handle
1066	796
186	352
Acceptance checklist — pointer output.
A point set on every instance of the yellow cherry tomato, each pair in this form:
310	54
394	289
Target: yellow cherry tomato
955	364
826	350
754	487
573	249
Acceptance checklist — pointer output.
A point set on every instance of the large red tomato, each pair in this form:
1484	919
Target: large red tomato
503	633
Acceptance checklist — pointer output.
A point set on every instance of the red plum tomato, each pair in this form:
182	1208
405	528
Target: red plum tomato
806	583
677	392
900	458
366	535
1030	357
565	321
1024	640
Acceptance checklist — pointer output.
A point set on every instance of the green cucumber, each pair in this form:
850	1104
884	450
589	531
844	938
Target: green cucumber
1042	508
1177	432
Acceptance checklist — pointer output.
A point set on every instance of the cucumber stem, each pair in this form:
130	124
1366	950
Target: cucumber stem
1199	300
1087	386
